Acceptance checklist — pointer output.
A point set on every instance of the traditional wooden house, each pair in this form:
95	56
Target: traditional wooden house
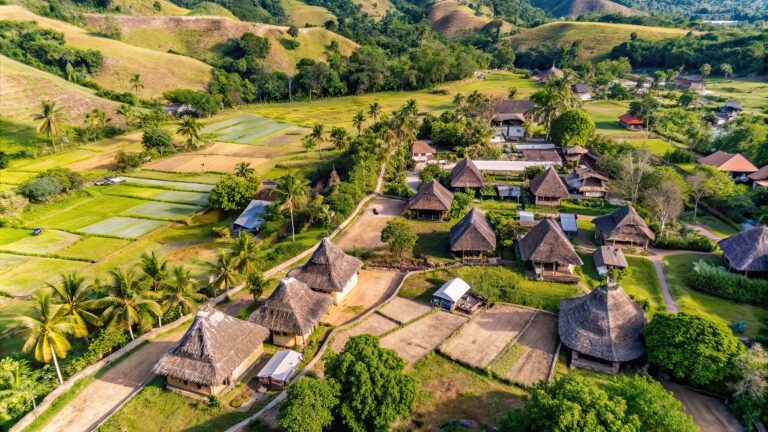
465	174
747	252
623	228
544	157
582	91
693	84
421	151
279	370
574	153
548	188
608	258
473	235
628	121
546	74
603	329
546	250
759	178
432	201
510	116
214	353
329	271
731	108
291	312
736	165
587	182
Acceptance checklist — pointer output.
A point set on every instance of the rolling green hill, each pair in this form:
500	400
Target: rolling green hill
300	13
597	38
451	18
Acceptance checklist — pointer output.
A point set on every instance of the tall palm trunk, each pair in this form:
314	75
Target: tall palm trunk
293	228
56	363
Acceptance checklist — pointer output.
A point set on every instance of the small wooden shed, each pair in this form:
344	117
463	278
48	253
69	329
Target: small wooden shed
279	370
450	293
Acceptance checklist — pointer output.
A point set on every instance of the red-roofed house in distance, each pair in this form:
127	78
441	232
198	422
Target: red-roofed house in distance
628	121
735	164
760	177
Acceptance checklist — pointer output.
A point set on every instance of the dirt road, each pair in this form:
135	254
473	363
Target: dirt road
365	231
709	413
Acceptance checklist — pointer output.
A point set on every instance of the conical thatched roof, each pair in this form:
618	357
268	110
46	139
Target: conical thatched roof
329	269
466	174
431	196
549	184
605	324
748	250
473	233
624	225
212	348
292	308
546	242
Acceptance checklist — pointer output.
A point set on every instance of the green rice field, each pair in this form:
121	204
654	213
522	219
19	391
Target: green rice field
150	193
196	187
162	210
21	275
121	226
49	241
87	213
244	129
93	248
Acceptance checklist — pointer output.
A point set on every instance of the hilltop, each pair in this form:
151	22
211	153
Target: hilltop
202	37
160	71
597	38
300	13
450	18
572	8
149	7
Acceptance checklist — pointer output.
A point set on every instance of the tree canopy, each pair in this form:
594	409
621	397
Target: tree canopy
232	193
573	127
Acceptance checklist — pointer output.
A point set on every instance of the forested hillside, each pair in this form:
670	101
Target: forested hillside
704	9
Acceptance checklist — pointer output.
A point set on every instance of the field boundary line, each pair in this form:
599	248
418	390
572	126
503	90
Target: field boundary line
555	359
512	342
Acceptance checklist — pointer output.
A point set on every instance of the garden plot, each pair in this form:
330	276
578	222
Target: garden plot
198	187
417	339
126	227
375	325
49	241
93	248
153	193
402	310
197	198
162	210
226	123
10	235
532	355
245	129
373	288
486	334
20	275
86	213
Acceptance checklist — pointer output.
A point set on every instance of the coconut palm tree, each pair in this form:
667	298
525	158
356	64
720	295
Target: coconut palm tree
374	110
190	129
154	268
136	84
126	112
458	100
244	169
291	191
339	137
179	292
51	120
255	283
224	272
358	121
17	383
318	136
128	302
73	294
46	329
245	252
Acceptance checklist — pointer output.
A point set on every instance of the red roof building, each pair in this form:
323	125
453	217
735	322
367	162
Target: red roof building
735	164
629	121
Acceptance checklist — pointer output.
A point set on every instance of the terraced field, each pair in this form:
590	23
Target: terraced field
245	129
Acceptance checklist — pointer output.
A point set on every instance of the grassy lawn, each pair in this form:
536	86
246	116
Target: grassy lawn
689	167
493	283
751	92
655	146
711	222
676	267
434	239
606	114
448	391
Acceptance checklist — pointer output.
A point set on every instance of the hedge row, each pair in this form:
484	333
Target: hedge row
691	241
722	283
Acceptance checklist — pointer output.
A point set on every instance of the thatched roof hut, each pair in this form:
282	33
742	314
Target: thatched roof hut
329	269
292	308
432	201
466	175
747	251
473	233
604	324
212	348
548	188
624	227
547	243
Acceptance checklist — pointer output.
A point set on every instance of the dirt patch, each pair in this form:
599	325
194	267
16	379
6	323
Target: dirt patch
403	310
709	413
375	325
365	231
373	287
540	339
419	338
189	163
486	335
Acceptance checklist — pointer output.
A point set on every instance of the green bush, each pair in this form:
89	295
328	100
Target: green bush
677	155
102	345
690	241
722	283
399	189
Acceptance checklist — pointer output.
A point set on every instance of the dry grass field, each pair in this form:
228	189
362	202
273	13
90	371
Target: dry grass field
403	310
300	13
375	325
373	287
451	18
365	231
417	339
486	334
375	8
534	352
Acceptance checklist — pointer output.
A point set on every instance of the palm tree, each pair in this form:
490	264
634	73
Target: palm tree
358	121
126	112
245	253
224	272
318	136
73	293
17	384
128	302
339	137
154	268
410	109
374	110
244	169
46	329
51	120
179	292
256	282
136	84
190	129
291	190
458	100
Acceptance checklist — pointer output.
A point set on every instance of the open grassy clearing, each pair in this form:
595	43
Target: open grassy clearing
15	178
375	8
452	18
676	269
606	114
434	239
639	281
16	135
656	146
300	13
160	71
752	93
146	7
711	222
20	275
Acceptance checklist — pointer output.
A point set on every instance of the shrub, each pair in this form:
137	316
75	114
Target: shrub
718	281
399	189
127	161
102	345
677	155
690	241
232	193
40	189
4	160
158	139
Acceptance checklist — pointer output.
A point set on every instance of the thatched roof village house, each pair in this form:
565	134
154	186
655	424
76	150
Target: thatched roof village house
603	328
214	353
587	182
548	188
552	72
747	252
628	121
251	219
421	151
608	258
432	201
583	91
759	178
623	228
279	369
291	312
544	157
574	153
510	116
465	174
329	271
473	235
736	165
546	250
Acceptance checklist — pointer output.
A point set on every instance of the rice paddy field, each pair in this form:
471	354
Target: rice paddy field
244	129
